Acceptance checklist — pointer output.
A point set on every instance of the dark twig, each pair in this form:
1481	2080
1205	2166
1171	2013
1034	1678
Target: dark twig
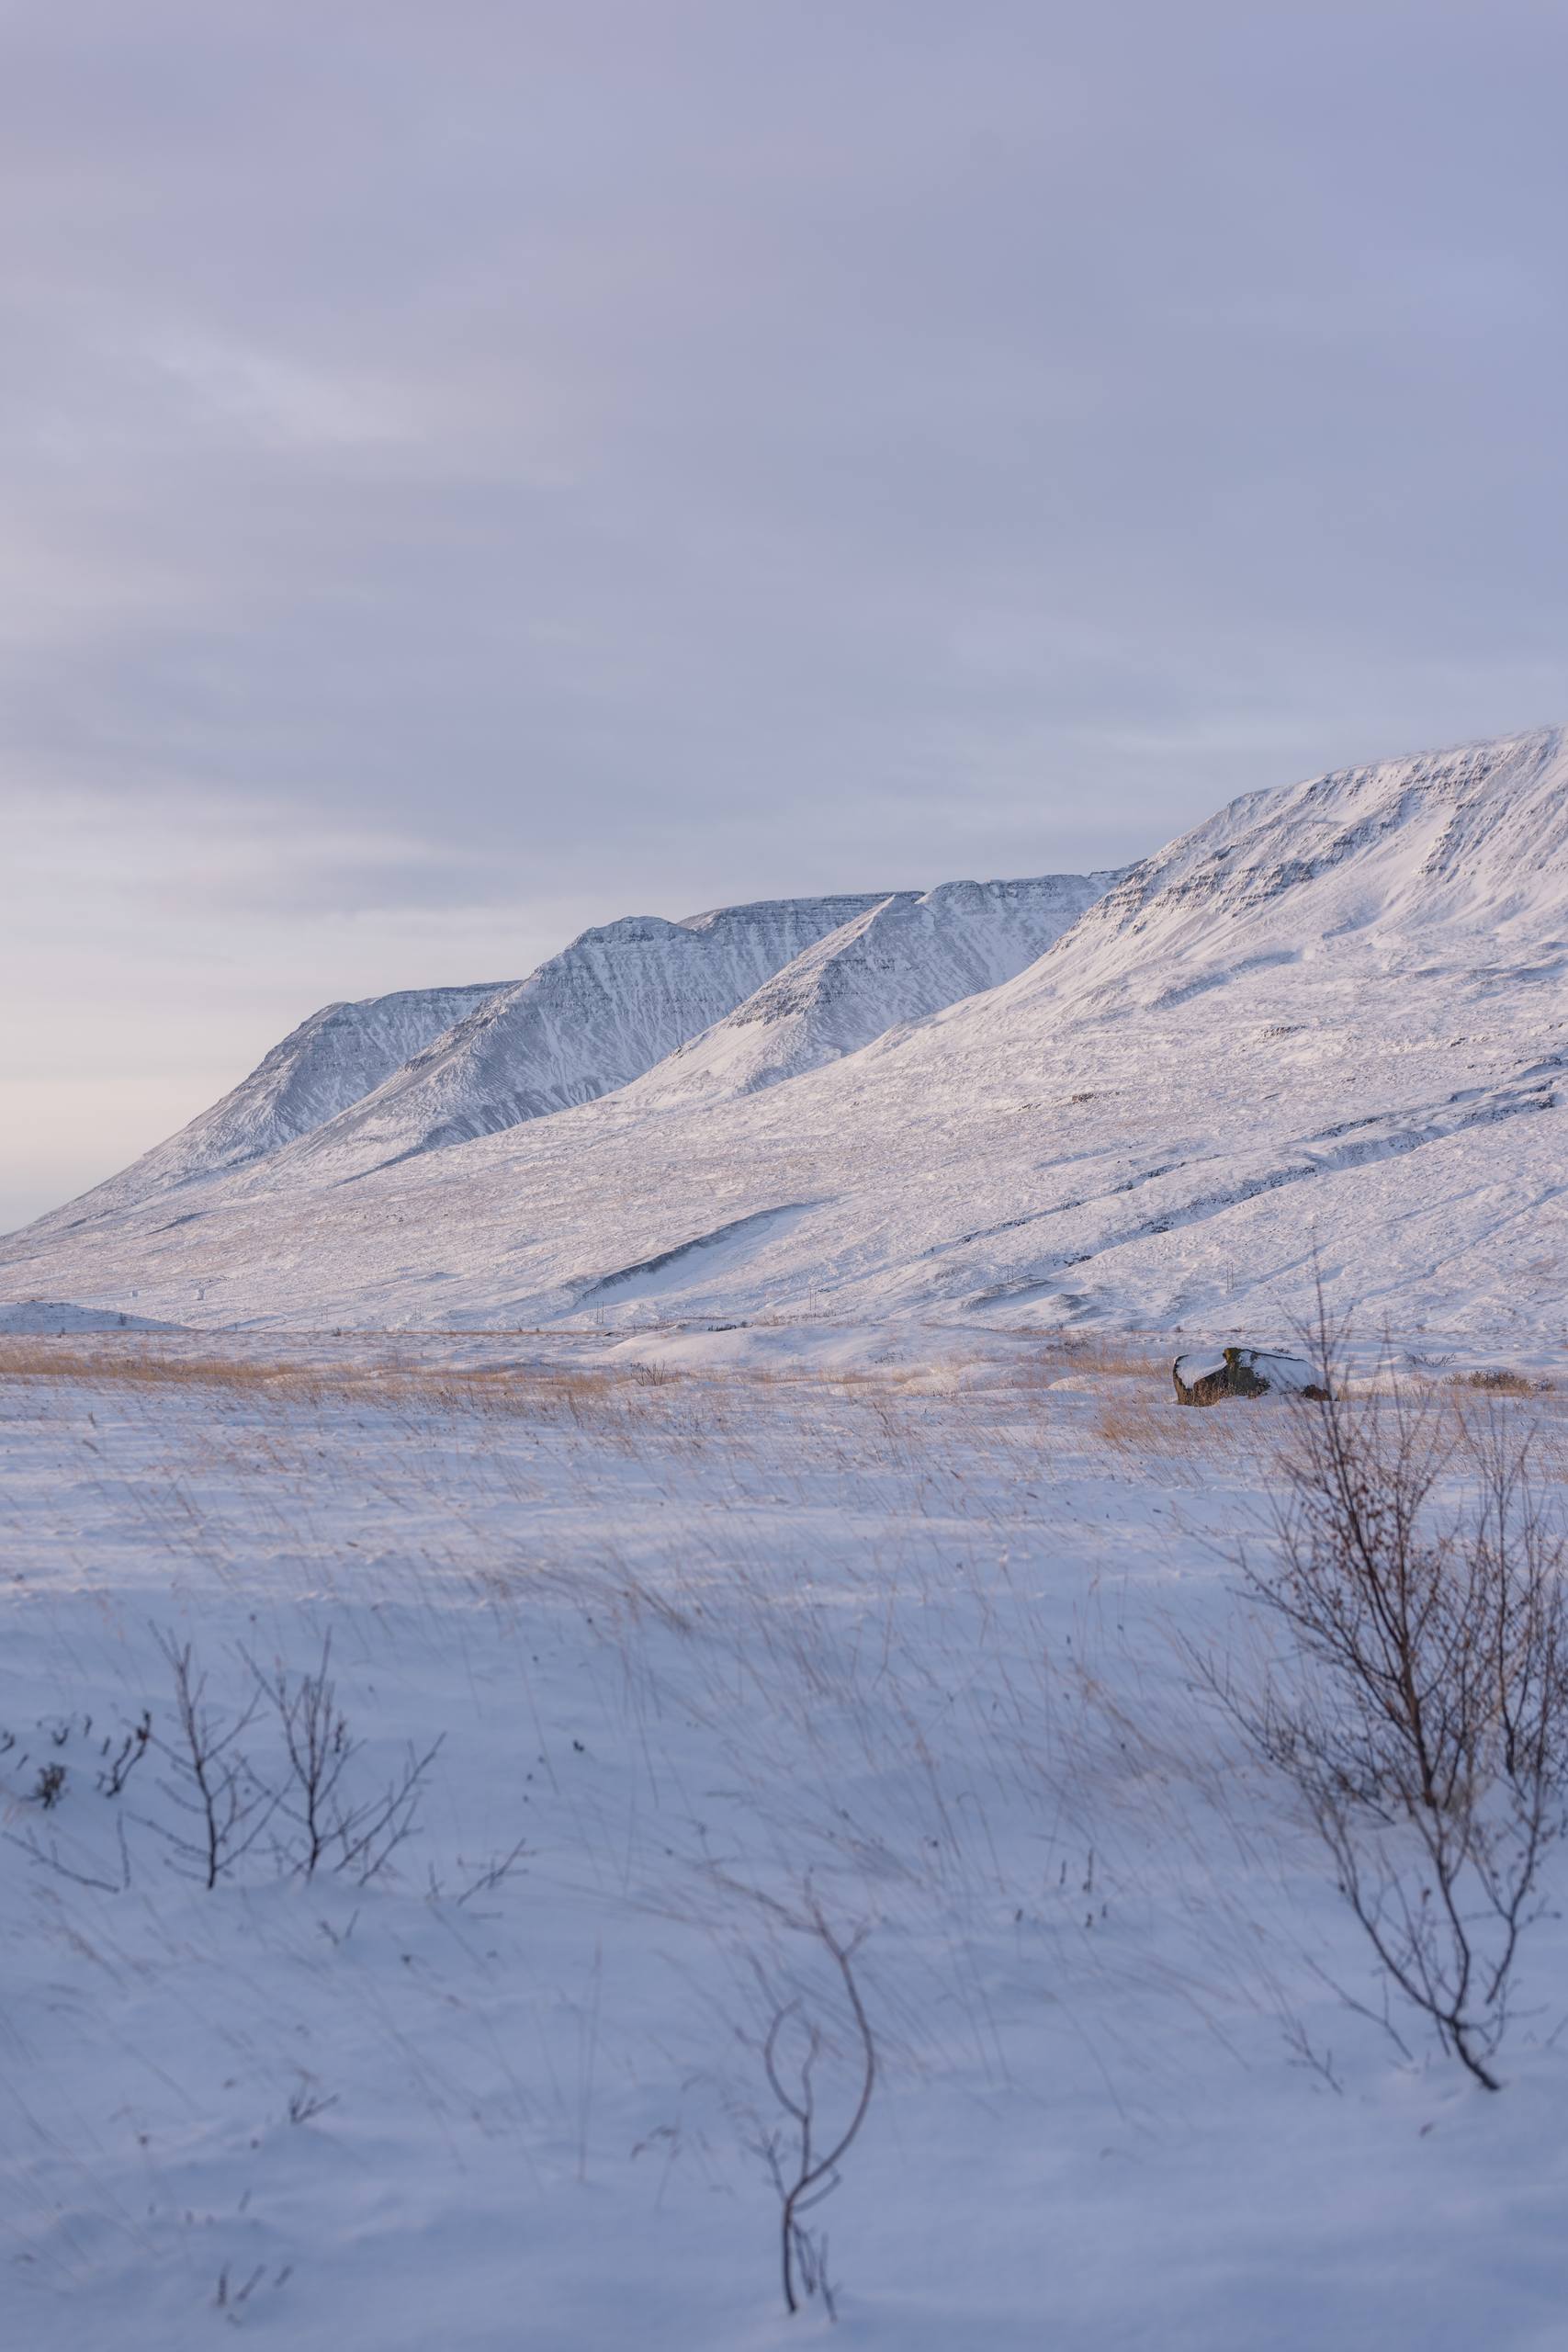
212	1780
803	2172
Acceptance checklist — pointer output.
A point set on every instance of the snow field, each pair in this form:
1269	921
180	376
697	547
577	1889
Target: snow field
709	1645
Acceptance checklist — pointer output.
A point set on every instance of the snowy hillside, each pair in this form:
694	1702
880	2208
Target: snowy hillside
1333	1019
897	962
606	1009
332	1060
1395	864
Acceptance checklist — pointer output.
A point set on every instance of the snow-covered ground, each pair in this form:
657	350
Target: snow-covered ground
711	1631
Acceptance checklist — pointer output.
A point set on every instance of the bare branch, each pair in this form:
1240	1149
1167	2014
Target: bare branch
1420	1703
810	2174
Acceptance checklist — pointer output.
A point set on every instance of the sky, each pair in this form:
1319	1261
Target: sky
471	471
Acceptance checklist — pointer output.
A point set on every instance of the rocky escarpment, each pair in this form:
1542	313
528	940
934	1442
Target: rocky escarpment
591	1018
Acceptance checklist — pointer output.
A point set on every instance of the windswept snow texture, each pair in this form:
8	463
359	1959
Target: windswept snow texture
316	1071
689	1660
606	1009
899	962
1326	1032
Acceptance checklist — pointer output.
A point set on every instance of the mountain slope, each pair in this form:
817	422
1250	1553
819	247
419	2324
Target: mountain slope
610	1006
338	1055
1393	864
1328	1028
899	962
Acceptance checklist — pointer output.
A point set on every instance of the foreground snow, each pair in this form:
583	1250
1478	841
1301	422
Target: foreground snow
710	1645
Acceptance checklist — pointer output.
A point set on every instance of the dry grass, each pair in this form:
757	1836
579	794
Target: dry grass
613	1404
1119	1358
1151	1436
1498	1381
871	1427
895	1423
33	1358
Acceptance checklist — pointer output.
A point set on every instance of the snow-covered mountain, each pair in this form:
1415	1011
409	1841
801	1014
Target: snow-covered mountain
1393	864
899	961
609	1007
1329	1025
338	1055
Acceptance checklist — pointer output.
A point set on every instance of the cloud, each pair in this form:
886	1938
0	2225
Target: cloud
644	456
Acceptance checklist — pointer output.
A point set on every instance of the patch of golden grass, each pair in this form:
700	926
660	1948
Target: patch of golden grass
134	1367
1150	1434
1497	1381
570	1393
1118	1359
1107	1358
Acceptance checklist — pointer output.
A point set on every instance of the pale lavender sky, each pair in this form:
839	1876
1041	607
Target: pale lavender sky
471	471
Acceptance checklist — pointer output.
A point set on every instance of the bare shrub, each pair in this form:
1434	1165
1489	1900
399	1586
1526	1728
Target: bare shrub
1421	1706
1498	1381
306	2101
494	1871
357	1835
803	2170
49	1790
120	1762
319	1750
211	1779
50	1858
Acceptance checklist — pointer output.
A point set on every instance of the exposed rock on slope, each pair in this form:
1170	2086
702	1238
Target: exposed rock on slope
901	960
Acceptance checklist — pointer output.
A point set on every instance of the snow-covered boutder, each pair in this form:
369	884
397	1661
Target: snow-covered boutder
1209	1376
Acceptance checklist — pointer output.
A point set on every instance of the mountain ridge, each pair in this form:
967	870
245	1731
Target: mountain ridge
913	955
331	1058
613	1003
1326	1030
